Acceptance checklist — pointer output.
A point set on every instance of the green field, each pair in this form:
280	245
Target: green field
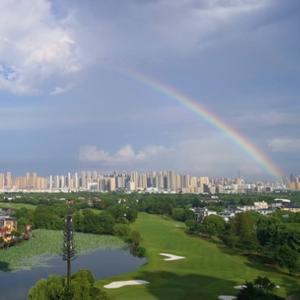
207	272
16	205
48	243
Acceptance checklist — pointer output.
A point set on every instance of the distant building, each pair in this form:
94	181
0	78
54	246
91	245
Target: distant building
261	205
282	200
7	226
291	208
202	212
227	215
164	181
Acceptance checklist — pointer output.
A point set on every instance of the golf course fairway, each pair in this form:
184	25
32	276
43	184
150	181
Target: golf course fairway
207	271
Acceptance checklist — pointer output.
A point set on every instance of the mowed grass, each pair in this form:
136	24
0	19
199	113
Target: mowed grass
16	205
207	272
49	243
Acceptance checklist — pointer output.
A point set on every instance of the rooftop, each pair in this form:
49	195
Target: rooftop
6	218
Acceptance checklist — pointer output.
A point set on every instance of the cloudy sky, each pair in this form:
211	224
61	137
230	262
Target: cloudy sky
64	104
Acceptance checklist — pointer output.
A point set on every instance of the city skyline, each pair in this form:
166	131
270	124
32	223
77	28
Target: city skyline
71	101
237	174
160	181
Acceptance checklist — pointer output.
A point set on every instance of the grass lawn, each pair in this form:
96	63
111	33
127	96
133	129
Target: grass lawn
16	205
48	243
207	272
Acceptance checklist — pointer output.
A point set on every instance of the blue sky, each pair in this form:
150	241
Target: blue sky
63	105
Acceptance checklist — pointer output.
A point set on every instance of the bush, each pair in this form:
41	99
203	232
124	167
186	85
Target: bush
134	240
140	251
213	226
287	257
91	222
137	250
134	237
81	288
51	288
178	214
230	240
259	289
46	217
121	230
192	226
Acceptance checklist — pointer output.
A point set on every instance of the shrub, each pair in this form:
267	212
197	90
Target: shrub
121	230
134	237
259	289
140	251
81	288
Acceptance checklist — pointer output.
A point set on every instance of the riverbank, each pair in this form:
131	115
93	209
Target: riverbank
45	243
206	272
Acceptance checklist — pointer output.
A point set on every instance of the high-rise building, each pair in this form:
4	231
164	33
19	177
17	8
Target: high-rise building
135	181
2	181
51	182
111	184
8	182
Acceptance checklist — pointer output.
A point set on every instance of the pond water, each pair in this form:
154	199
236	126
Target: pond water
103	263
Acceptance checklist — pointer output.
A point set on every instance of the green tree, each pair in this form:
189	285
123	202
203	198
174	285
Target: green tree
131	214
121	230
91	222
267	231
78	221
135	237
244	226
213	225
260	289
134	240
192	226
107	222
48	289
46	217
54	288
178	214
264	283
123	214
38	291
287	257
81	284
182	214
288	236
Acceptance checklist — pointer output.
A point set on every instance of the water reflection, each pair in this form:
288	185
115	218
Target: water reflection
103	263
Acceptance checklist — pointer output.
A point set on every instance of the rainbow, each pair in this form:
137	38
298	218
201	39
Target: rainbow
199	109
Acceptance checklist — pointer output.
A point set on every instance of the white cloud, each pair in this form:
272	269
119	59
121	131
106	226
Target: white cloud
285	145
38	48
126	154
60	90
194	156
35	46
